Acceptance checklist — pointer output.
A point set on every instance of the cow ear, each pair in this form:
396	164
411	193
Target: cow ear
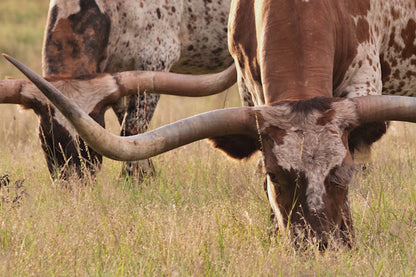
11	92
237	146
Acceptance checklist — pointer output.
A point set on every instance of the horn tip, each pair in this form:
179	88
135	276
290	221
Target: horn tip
7	57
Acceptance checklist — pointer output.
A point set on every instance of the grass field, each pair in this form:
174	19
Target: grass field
202	215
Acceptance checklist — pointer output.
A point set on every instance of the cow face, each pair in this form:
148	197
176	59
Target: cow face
65	155
64	150
308	164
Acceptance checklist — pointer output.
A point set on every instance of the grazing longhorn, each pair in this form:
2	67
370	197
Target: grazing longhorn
314	70
87	37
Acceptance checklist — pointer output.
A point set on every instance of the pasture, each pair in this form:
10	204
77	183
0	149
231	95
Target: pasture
202	214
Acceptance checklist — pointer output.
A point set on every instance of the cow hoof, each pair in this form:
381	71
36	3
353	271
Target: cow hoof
139	170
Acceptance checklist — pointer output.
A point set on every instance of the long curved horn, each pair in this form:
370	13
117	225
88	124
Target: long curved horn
385	108
211	124
11	91
132	82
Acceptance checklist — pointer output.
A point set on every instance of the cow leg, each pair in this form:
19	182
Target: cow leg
134	114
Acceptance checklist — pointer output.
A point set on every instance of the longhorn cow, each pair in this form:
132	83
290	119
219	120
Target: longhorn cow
314	72
87	37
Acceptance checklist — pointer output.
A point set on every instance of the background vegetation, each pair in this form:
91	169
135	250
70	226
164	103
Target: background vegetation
203	214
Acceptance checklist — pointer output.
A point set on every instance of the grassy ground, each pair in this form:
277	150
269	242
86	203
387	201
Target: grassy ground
203	214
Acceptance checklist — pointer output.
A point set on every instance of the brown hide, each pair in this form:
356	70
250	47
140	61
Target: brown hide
76	45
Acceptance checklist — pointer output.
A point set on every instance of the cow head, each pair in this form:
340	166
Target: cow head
307	161
64	151
304	144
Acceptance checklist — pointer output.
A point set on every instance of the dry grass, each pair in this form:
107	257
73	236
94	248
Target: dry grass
203	214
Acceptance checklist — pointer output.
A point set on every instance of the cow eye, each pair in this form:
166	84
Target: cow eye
272	176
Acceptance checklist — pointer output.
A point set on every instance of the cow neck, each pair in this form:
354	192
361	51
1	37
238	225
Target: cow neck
295	62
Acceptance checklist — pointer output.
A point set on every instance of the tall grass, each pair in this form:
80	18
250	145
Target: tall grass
202	214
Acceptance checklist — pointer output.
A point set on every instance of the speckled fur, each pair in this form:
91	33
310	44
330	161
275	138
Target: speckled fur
179	36
185	36
380	67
